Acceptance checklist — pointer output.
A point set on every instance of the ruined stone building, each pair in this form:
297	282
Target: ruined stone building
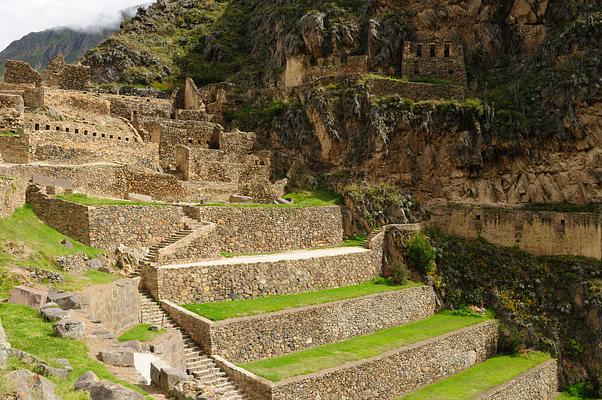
435	59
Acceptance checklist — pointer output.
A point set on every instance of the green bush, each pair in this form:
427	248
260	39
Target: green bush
420	254
399	273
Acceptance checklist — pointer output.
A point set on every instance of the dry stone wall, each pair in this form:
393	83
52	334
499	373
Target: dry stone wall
254	230
15	149
216	281
20	72
415	91
545	233
248	339
540	383
389	375
12	195
116	305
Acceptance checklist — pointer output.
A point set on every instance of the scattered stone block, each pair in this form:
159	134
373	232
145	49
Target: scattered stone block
139	197
95	264
86	381
69	329
29	296
170	377
54	314
47	370
281	200
105	390
241	199
155	371
68	243
66	301
50	305
30	386
44	180
118	357
155	328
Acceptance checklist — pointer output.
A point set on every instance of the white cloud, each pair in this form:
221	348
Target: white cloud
20	17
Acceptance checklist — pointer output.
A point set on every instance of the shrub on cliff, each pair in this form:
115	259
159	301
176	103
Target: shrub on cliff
421	254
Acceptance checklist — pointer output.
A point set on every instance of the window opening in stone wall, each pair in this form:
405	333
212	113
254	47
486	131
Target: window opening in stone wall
450	71
103	135
418	50
478	217
433	51
58	128
416	69
94	134
447	52
67	130
127	139
76	130
47	127
37	127
111	137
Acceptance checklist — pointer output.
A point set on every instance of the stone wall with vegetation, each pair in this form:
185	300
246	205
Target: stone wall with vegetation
252	338
253	230
215	281
391	374
116	305
415	90
12	195
536	384
545	233
550	303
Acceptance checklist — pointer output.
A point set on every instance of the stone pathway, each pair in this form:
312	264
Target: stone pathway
271	258
199	365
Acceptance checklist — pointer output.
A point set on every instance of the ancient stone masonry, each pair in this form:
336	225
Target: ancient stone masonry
269	335
12	195
415	90
546	233
257	230
20	72
264	275
435	59
299	69
106	227
536	384
390	375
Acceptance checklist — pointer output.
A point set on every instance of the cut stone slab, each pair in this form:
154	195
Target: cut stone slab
155	371
29	296
54	314
241	199
170	377
68	243
281	200
30	386
105	390
66	301
118	357
86	381
69	329
44	180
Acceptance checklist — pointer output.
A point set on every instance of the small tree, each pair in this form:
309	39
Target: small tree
420	254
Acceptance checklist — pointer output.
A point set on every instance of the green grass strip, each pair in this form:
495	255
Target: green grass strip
480	378
142	333
85	200
28	332
223	310
316	198
362	347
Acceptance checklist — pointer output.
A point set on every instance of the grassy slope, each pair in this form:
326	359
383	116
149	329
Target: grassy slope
300	200
141	333
45	243
332	355
96	201
480	378
28	332
222	310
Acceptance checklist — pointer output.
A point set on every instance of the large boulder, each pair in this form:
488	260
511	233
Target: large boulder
66	301
122	357
313	32
52	314
105	390
69	329
29	386
170	377
86	381
129	259
29	296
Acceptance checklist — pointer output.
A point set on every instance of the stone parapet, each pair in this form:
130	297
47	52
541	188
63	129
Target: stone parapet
245	278
540	383
274	334
390	375
254	230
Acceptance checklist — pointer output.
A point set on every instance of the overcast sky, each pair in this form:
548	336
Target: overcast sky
20	17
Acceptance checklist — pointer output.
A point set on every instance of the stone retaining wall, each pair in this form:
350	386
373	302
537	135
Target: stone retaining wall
545	233
12	195
15	149
270	335
416	91
385	377
116	305
540	383
204	283
106	227
254	230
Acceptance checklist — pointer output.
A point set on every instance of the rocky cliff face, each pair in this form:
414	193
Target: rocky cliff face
534	65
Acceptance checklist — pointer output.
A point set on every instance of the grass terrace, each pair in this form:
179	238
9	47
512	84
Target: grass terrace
97	201
37	245
8	134
142	333
480	378
359	348
220	311
28	332
317	198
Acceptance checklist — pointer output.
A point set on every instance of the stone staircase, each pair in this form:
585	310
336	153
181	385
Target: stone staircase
190	225
198	364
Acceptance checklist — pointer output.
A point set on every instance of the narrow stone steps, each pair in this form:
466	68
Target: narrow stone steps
199	365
